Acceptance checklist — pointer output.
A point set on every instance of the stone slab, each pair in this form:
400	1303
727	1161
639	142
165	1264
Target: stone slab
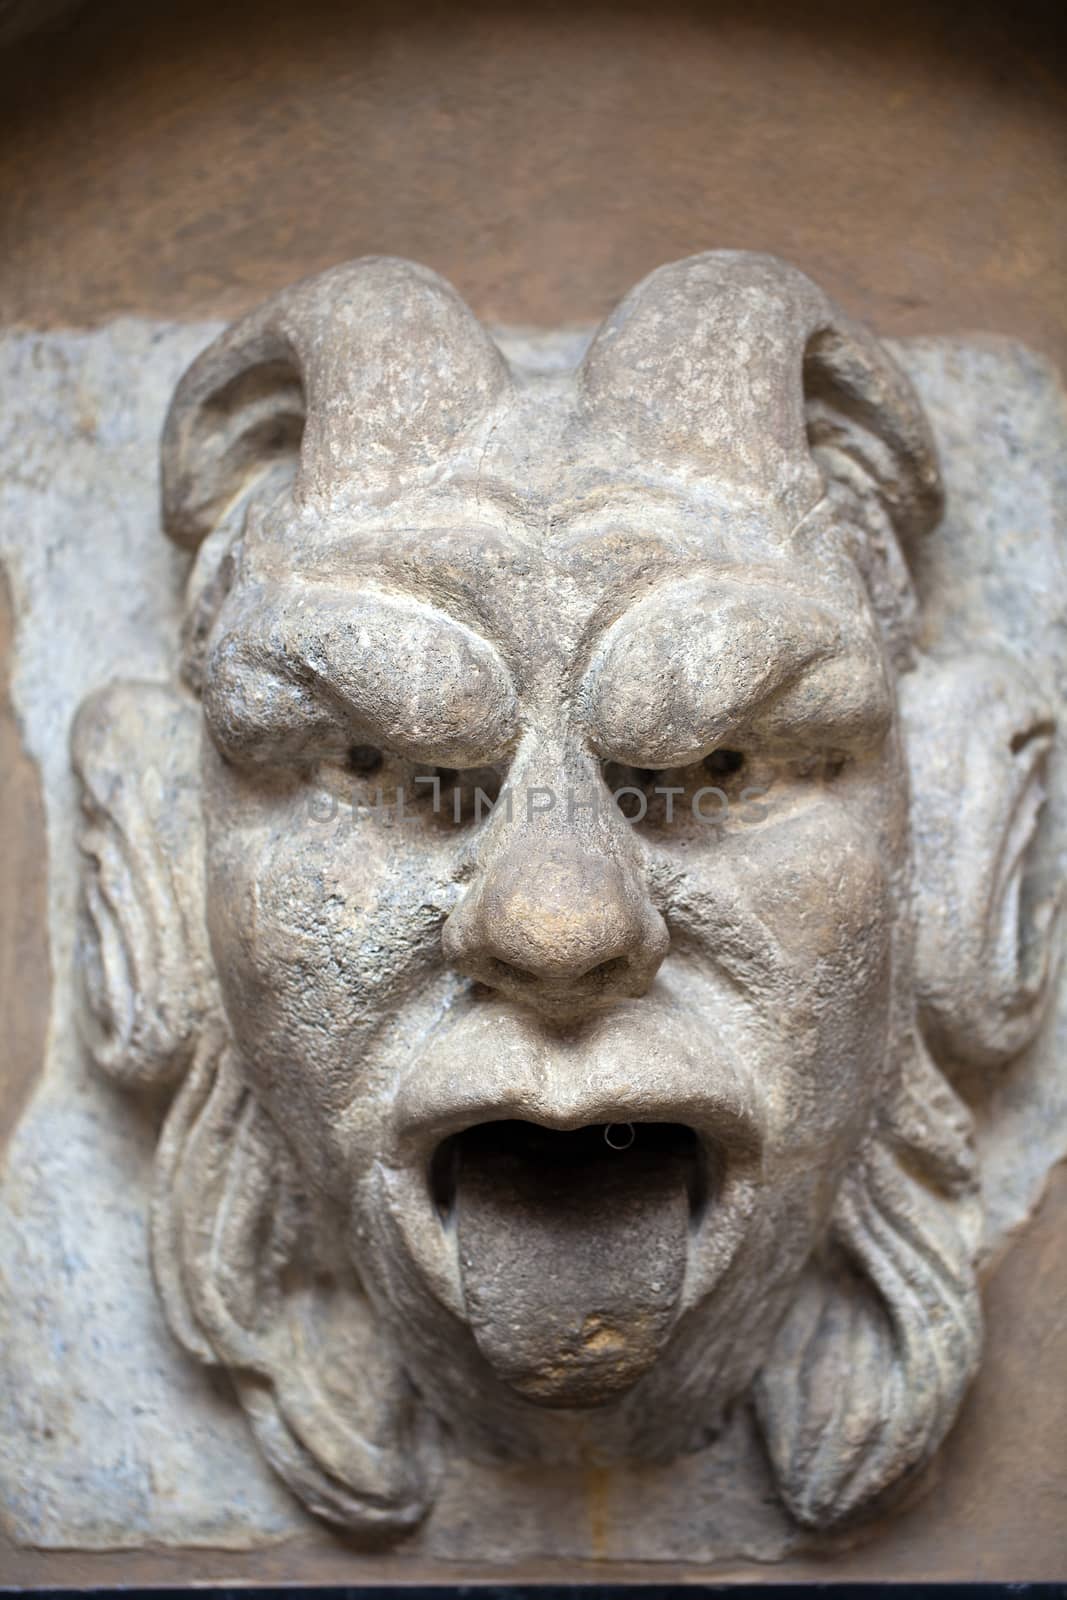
110	1438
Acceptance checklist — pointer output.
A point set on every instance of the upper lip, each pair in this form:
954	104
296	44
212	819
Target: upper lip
618	1069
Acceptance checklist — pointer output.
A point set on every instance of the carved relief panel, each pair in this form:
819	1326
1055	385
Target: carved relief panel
574	909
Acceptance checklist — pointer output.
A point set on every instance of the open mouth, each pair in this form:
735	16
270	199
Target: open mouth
572	1247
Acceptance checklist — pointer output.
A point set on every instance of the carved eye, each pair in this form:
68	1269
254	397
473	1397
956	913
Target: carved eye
629	802
468	796
629	785
723	763
363	759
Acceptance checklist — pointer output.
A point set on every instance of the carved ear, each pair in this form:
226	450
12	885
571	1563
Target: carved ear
736	368
246	1282
873	1358
978	739
142	949
367	372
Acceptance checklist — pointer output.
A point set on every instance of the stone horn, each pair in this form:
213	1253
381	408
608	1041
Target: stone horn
735	369
364	375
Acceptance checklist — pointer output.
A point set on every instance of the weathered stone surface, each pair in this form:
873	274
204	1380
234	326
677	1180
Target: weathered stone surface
81	1153
105	1426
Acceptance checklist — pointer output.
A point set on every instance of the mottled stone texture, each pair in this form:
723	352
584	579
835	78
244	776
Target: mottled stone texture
524	1136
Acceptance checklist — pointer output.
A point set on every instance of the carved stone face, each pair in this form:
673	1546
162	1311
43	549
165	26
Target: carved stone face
446	1016
564	1075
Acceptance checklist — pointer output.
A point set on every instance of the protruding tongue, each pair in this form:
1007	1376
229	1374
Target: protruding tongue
572	1253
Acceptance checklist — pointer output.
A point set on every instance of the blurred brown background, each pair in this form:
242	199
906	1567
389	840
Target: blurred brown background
181	159
184	159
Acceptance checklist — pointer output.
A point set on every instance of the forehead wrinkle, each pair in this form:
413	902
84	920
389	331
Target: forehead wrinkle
451	548
393	578
733	575
741	582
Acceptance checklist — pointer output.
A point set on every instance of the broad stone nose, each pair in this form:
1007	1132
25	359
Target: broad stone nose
558	927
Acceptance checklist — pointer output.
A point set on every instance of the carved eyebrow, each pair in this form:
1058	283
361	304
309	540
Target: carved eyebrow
680	671
292	669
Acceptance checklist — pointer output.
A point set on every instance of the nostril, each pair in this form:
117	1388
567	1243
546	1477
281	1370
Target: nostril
605	971
507	972
595	977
